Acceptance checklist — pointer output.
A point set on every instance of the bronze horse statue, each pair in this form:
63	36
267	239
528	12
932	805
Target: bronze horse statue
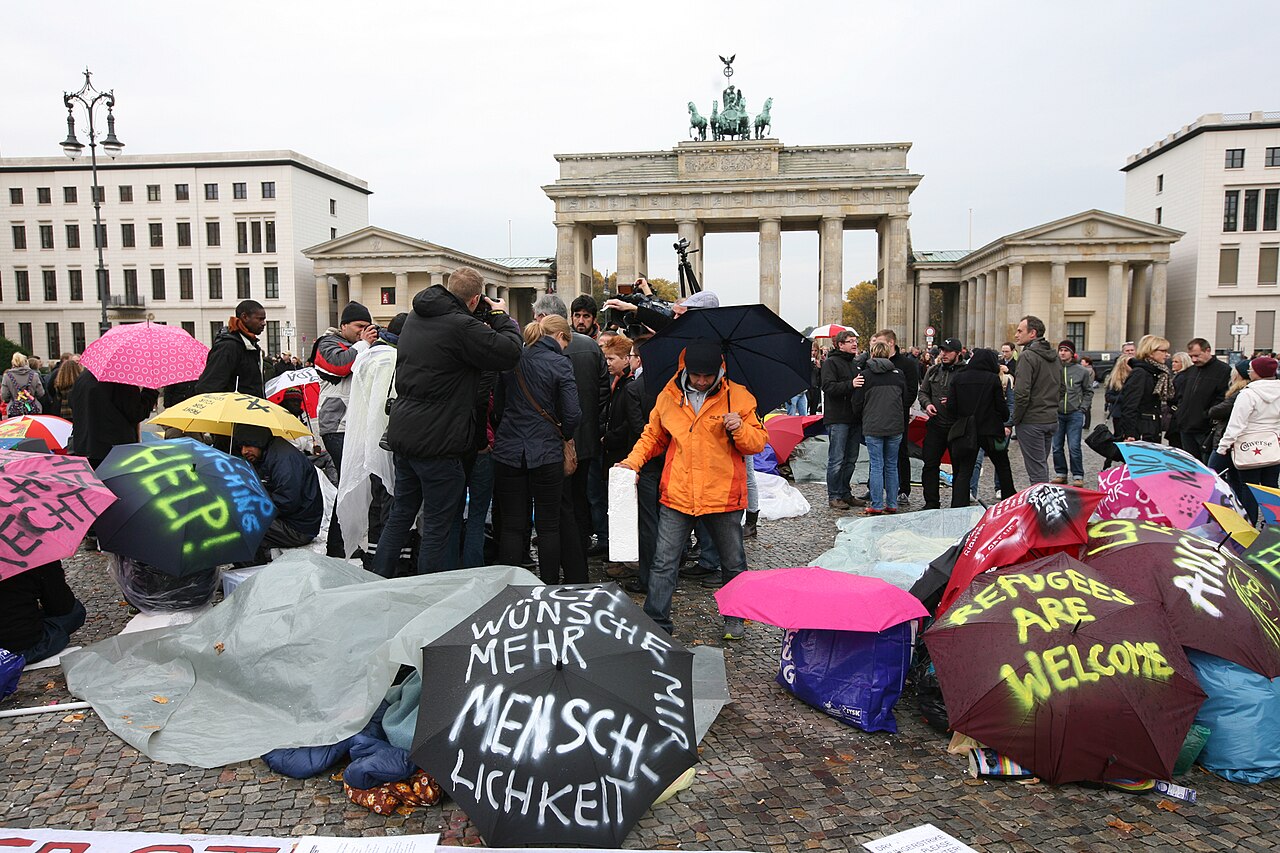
697	124
762	121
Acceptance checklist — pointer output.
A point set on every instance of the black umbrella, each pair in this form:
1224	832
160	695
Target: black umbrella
556	715
761	351
1264	553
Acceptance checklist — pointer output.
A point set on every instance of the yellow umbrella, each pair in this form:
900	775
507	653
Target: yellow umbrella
221	413
1233	523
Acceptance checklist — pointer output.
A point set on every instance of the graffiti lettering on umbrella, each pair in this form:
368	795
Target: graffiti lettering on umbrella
1066	667
42	506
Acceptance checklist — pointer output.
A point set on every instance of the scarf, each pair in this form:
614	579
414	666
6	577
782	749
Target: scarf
1164	383
237	327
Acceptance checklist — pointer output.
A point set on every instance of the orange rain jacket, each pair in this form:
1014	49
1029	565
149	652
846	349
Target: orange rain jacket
705	471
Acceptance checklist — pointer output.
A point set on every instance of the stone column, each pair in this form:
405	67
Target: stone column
1159	296
962	326
895	274
1056	321
923	293
771	264
1115	306
691	230
971	317
322	304
626	252
990	313
982	309
1002	308
1139	301
438	277
642	249
355	289
831	268
566	260
1015	300
403	296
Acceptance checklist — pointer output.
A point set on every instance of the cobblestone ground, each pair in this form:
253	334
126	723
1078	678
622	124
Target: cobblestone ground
774	774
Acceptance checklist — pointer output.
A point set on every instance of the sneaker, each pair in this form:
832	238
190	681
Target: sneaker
1060	480
635	586
932	506
699	571
890	510
1079	484
854	503
713	582
836	503
872	511
734	628
904	497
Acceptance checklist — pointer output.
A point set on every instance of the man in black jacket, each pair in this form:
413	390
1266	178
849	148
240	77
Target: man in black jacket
844	433
236	362
444	349
1207	381
290	480
910	369
104	414
934	393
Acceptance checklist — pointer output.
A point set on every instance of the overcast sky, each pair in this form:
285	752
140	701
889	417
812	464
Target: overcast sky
1021	112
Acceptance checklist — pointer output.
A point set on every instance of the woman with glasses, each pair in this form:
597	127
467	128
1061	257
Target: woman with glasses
1147	393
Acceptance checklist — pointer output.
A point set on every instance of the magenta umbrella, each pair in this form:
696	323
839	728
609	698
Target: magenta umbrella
811	597
46	506
146	354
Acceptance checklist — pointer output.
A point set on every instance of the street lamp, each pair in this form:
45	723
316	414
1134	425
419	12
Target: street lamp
89	98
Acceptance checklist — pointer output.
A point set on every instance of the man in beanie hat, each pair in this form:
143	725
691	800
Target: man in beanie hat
333	355
1073	407
290	481
706	424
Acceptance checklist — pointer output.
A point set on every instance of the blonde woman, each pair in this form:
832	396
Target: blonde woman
1146	393
17	379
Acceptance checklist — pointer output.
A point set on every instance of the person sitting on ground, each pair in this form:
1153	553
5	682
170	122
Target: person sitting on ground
290	481
38	613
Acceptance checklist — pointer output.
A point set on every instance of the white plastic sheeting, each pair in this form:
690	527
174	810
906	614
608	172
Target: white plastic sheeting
896	548
778	498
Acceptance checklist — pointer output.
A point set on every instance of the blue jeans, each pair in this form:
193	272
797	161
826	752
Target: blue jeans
471	539
1069	428
673	532
708	553
883	451
842	455
55	636
436	486
799	404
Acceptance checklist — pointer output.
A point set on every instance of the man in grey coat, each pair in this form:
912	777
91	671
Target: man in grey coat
1035	397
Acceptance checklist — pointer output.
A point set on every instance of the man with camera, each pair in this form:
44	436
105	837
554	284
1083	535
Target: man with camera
452	336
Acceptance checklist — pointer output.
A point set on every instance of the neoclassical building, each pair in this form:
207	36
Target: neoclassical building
1096	278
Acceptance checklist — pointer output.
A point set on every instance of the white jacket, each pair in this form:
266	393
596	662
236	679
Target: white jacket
1257	408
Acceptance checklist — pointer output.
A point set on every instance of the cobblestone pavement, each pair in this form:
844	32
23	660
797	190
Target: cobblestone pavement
774	775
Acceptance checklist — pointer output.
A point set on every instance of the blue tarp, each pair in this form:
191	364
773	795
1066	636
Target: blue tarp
1243	716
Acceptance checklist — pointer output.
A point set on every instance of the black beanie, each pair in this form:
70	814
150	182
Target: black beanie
354	311
254	435
702	357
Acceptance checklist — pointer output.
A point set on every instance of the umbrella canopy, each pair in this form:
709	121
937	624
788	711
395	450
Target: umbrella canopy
1038	521
1233	523
183	506
25	445
1268	502
1214	600
1078	680
1173	483
810	597
761	351
54	431
307	379
220	413
147	354
46	506
786	431
556	715
829	331
1264	554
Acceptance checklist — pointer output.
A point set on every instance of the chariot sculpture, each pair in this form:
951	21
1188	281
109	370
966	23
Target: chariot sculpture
733	121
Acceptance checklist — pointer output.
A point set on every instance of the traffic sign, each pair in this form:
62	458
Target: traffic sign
930	332
1240	328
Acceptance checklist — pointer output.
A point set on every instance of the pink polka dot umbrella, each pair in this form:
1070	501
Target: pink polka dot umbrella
147	354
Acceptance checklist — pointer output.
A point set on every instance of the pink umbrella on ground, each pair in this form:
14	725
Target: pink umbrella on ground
52	430
786	431
46	506
147	354
811	597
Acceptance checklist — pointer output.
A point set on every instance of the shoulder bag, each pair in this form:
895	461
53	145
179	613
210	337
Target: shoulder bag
570	449
1257	449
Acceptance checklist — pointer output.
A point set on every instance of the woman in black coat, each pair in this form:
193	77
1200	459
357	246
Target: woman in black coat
977	393
1145	393
621	421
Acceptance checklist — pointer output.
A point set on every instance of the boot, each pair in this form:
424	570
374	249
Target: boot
750	531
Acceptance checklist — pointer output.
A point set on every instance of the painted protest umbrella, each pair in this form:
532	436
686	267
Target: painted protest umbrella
1233	524
1052	665
151	355
812	597
1038	521
183	506
556	715
52	430
1174	482
46	506
1215	601
1268	502
307	380
221	412
1263	553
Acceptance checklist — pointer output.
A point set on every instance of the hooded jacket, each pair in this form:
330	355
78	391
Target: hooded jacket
1205	387
838	373
334	357
1037	384
1077	388
443	350
1257	408
235	363
880	402
1137	412
704	472
290	479
977	392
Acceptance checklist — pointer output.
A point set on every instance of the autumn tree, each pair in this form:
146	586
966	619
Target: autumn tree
859	308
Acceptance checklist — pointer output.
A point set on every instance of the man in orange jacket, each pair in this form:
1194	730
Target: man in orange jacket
706	424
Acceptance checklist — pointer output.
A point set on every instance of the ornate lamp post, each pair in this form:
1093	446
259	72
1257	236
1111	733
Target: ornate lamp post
89	98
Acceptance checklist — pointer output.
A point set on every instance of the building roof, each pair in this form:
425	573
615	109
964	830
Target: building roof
1256	120
944	256
523	263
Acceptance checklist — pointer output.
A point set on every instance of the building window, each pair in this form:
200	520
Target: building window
126	193
242	237
46	236
255	230
333	207
43	195
69	195
100	236
242	283
185	288
73	236
1273	157
1159	215
387	296
19	236
1230	210
1235	158
271	275
15	195
333	292
268	189
100	195
157	234
77	337
214	328
184	233
50	280
1228	267
1251	210
75	283
273	337
333	233
157	284
1264	330
126	235
215	282
238	190
55	340
153	192
1268	256
1159	183
189	328
1270	201
182	192
211	192
212	234
24	338
270	227
131	288
22	285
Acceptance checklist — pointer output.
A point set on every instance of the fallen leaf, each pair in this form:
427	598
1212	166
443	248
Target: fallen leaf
49	685
219	648
151	727
974	782
1117	823
1168	806
73	718
160	700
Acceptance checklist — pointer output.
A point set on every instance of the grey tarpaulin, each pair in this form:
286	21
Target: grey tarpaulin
710	687
809	463
301	655
896	548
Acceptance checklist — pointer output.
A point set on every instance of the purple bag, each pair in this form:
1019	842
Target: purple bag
854	676
10	671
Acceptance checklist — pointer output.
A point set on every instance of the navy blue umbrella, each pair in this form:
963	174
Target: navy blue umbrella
761	351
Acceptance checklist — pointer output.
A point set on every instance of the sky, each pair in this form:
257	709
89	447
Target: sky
1018	113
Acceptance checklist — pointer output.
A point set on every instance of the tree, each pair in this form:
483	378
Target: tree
859	308
662	288
7	349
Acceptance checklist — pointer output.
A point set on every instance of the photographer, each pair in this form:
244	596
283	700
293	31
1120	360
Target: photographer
645	310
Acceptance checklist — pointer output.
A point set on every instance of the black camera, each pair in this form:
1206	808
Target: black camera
625	320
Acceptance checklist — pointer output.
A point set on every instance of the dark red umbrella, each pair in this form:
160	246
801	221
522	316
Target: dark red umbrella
786	431
1215	601
1054	667
1038	521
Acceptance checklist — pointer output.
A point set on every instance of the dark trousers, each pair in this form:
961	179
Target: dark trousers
435	486
647	494
597	499
962	466
1193	442
935	444
281	534
514	488
55	635
904	460
573	534
333	442
578	487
